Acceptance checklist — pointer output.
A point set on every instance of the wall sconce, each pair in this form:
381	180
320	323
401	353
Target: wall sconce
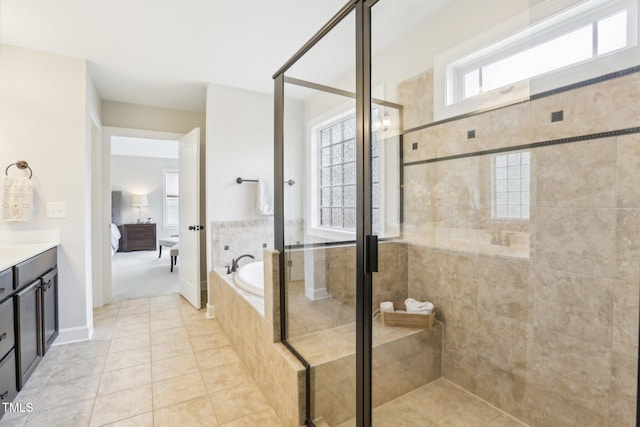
138	201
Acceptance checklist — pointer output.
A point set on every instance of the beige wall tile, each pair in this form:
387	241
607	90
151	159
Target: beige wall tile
628	171
580	174
571	367
504	389
502	342
576	305
416	96
628	245
503	287
587	246
625	318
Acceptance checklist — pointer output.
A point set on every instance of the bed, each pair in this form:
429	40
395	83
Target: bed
115	239
116	218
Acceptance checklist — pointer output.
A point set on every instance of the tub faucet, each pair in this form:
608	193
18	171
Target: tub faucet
234	263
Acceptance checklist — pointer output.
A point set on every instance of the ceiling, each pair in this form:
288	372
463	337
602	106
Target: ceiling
164	52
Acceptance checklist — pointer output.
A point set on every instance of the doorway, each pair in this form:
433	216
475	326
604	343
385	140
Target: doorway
142	198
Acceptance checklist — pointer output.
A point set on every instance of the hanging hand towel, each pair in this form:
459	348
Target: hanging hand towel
17	204
265	196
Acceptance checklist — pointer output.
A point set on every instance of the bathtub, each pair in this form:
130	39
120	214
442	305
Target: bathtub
250	277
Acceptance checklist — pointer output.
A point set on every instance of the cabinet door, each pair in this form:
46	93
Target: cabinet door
29	338
8	390
49	309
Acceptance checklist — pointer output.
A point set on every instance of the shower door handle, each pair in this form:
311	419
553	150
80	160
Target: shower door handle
371	253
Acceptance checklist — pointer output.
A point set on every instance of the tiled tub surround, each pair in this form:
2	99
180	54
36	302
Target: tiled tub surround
256	336
552	337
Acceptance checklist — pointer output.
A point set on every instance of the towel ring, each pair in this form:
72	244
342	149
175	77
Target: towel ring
20	164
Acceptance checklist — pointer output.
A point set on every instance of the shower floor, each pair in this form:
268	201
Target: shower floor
438	404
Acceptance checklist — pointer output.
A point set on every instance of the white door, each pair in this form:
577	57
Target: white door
189	217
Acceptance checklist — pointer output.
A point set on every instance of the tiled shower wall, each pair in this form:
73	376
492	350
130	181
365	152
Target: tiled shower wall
546	328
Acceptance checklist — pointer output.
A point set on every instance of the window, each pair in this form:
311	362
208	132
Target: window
171	198
512	183
336	153
563	48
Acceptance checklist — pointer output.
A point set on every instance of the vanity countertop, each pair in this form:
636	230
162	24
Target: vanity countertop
14	253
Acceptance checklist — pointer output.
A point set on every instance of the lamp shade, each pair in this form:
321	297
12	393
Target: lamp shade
139	200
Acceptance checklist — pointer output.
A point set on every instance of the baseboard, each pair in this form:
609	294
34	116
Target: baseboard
316	294
211	311
71	335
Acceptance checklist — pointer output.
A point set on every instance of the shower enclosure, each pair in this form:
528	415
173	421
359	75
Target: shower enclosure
485	157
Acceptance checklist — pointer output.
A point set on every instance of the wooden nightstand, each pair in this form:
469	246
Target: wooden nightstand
137	237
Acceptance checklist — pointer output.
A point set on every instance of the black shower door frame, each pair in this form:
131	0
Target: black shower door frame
366	242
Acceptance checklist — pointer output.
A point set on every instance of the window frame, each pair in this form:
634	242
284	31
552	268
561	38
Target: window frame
166	198
544	23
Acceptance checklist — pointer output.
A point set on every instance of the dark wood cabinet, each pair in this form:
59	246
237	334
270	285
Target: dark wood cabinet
137	237
29	331
49	308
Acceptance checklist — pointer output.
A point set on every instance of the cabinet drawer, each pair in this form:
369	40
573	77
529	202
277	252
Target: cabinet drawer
6	282
7	337
31	269
8	389
140	228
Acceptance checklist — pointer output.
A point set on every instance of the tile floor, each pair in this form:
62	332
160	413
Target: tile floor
153	362
158	362
439	404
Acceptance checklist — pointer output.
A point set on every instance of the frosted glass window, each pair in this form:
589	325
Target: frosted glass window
337	170
512	183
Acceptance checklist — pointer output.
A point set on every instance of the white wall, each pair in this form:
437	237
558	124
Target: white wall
43	112
142	175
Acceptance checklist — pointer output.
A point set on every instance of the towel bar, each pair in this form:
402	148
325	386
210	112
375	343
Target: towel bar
20	164
241	180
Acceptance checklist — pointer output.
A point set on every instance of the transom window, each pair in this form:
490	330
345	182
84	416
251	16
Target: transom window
568	42
512	184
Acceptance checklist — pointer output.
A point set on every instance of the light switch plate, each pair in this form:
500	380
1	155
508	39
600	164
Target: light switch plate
56	209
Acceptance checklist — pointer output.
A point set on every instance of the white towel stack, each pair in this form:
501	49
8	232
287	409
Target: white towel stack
418	307
17	204
264	200
386	306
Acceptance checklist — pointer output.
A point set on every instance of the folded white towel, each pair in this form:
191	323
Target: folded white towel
264	201
386	306
17	204
414	306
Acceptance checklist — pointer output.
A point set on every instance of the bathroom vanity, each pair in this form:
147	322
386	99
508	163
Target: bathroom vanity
28	312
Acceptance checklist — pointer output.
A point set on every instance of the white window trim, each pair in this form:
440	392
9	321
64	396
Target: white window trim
494	44
164	199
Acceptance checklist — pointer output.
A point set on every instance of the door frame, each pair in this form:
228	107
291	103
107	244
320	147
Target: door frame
104	288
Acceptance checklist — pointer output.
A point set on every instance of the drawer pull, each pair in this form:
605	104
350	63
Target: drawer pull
4	395
3	336
1	290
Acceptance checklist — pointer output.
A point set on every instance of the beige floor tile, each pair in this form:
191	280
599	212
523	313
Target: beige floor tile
121	405
168	335
130	343
225	376
166	313
216	356
74	414
162	324
84	350
206	342
202	328
142	420
195	412
174	367
133	310
55	395
102	332
125	359
69	370
266	418
124	379
178	347
179	389
129	330
131	319
134	302
238	402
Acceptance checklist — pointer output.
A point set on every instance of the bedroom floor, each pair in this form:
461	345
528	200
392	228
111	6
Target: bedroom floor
141	274
152	362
